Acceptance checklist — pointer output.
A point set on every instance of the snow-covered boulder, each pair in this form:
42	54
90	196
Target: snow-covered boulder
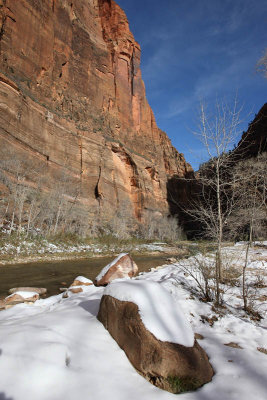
21	297
81	281
122	267
147	324
28	289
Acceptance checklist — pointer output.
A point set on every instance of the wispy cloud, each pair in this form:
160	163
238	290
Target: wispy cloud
207	87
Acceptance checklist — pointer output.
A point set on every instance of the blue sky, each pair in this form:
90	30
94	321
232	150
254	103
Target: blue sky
195	50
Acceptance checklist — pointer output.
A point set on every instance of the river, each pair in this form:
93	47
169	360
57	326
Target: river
56	274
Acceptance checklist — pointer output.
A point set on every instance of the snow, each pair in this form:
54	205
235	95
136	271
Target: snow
24	294
157	308
107	267
257	243
261	243
57	349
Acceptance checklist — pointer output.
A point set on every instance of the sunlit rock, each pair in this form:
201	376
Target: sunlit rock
81	281
122	267
39	291
21	297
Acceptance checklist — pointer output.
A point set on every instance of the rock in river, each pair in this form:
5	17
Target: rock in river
21	297
122	267
81	281
40	291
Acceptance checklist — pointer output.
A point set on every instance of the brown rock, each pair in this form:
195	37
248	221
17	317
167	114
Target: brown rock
198	336
14	299
122	267
169	366
2	305
76	290
17	298
81	281
262	350
71	89
40	291
234	345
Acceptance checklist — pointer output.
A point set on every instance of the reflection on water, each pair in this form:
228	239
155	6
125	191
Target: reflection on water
53	275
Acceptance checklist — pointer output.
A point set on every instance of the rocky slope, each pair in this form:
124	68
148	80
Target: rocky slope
72	98
254	140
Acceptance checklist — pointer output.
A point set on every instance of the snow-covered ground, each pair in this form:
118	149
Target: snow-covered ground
56	349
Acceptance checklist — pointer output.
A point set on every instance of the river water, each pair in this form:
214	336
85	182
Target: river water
56	274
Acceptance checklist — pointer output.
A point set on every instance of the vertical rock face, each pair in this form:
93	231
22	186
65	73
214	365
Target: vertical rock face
72	97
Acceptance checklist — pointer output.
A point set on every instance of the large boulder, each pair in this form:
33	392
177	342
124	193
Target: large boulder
122	267
146	323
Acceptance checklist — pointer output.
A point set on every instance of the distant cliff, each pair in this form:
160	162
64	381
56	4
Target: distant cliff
72	98
254	140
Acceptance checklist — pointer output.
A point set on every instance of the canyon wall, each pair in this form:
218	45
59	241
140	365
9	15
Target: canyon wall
73	99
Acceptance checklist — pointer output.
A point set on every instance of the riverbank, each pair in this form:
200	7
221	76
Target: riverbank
14	250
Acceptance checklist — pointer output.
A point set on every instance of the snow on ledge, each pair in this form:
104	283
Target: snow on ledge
157	309
107	267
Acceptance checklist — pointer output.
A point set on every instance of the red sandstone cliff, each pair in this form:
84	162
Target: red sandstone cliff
72	96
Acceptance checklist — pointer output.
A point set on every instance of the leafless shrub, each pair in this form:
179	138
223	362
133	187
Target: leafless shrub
201	269
157	226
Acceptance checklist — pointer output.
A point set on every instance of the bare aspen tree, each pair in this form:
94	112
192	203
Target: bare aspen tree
216	201
251	214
